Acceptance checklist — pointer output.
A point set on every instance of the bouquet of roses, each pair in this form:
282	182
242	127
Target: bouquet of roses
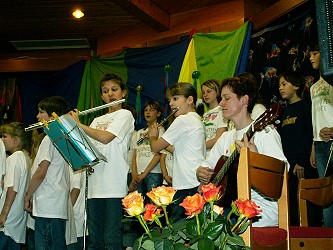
205	228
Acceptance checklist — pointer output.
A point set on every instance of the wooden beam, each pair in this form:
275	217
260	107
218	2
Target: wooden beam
32	65
181	23
274	12
148	12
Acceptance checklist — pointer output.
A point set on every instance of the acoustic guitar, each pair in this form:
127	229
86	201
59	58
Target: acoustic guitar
225	171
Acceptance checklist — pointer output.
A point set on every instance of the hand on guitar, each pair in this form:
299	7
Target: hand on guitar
204	174
246	143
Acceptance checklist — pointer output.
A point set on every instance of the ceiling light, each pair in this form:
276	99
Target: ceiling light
78	14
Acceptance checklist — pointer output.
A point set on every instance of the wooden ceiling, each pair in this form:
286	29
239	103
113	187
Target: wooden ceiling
52	19
110	25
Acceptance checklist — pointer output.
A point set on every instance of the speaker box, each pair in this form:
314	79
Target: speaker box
324	12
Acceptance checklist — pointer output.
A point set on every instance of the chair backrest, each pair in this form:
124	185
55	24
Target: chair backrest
270	177
319	191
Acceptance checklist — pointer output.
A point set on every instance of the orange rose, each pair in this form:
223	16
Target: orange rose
151	211
133	203
161	196
248	208
193	204
210	192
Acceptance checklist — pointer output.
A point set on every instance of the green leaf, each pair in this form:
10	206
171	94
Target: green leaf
191	228
205	244
213	230
148	244
179	246
180	225
236	240
163	244
195	239
243	227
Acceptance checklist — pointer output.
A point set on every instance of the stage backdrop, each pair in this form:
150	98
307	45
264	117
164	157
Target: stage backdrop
36	86
213	55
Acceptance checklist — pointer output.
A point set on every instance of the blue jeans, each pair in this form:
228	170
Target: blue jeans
30	239
322	150
178	212
104	223
8	243
50	233
151	181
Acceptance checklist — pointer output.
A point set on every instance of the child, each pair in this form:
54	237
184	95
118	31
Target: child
2	163
111	134
49	186
187	136
13	217
238	97
322	121
295	130
213	119
77	198
146	170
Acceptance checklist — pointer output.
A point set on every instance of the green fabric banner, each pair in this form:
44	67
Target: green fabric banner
217	53
95	69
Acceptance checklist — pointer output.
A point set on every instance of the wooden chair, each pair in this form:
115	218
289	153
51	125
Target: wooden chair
320	192
269	176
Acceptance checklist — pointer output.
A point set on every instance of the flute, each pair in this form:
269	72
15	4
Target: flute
44	123
145	136
101	107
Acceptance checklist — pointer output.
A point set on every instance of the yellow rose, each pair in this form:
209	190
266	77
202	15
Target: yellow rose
162	196
133	203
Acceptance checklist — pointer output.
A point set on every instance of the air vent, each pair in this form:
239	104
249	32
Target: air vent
51	44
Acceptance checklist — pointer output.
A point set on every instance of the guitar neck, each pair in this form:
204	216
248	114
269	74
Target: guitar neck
231	159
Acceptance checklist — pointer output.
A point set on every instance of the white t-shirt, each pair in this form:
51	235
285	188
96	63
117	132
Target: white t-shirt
2	163
17	176
268	142
168	163
144	154
187	135
50	200
213	120
322	107
78	181
109	179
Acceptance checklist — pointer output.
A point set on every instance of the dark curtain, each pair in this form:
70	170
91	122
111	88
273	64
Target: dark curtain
284	46
146	67
36	86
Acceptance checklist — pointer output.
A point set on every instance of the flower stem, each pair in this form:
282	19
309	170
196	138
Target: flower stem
144	225
166	217
211	211
198	224
239	222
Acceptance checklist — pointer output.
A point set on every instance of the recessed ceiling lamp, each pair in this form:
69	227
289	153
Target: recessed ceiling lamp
78	14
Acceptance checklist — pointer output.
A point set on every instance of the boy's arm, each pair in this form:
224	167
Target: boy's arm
10	197
164	169
150	166
74	195
35	182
